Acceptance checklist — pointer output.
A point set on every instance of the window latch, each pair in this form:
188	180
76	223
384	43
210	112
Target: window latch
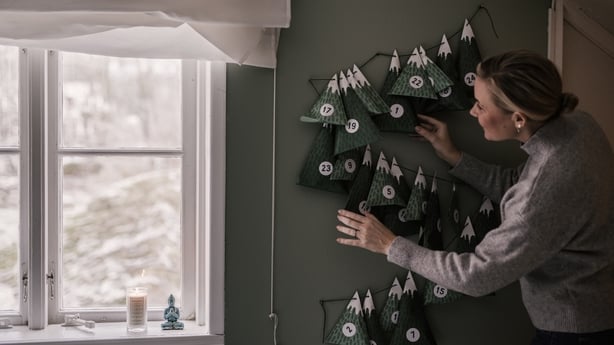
51	282
24	283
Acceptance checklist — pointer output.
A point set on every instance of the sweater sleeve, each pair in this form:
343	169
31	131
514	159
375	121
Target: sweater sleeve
490	180
541	217
499	260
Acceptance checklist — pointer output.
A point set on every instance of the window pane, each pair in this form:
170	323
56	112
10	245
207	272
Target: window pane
9	87
111	102
9	232
121	215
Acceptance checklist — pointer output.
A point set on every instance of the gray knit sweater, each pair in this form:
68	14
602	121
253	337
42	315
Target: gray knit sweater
556	234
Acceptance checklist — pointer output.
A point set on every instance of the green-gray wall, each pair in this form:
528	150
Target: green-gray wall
327	36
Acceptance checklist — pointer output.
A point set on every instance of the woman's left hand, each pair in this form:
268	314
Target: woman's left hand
368	232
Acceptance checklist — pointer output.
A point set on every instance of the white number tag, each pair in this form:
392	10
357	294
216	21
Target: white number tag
327	109
416	81
470	78
440	291
445	92
352	126
326	168
363	208
396	110
349	329
349	165
388	192
413	335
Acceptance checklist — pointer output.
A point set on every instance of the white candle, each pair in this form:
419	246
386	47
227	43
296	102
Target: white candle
136	304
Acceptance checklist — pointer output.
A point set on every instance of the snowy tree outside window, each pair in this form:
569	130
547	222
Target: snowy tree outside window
121	223
9	180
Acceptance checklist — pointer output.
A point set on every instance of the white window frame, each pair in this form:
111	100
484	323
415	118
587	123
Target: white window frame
204	96
20	316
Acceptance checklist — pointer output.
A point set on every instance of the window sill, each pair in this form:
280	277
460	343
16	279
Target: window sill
109	333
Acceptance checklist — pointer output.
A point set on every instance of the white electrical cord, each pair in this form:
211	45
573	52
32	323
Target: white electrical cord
273	315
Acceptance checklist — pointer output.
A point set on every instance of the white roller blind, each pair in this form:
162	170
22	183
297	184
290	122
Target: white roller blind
237	31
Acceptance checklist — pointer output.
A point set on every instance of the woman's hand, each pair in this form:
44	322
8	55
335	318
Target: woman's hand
368	232
436	132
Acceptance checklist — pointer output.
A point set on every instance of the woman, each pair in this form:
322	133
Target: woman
557	209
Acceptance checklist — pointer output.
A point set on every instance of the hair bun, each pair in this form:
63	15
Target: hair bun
567	102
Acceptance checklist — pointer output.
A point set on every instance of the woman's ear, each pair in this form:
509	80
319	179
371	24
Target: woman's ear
519	119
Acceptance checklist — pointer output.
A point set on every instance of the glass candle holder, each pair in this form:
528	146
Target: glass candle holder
136	309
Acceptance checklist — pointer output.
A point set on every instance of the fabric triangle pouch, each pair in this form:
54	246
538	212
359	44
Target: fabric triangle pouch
370	98
468	59
350	328
319	164
357	199
329	107
401	116
359	130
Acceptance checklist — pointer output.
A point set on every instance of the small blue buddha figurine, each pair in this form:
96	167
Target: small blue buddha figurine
171	315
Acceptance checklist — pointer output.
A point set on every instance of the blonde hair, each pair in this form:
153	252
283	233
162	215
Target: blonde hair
527	82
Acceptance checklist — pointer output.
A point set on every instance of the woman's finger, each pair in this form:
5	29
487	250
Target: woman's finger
427	126
350	214
429	135
346	230
354	224
350	218
430	120
349	242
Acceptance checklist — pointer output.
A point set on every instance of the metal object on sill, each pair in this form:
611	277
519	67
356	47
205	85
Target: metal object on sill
5	323
73	320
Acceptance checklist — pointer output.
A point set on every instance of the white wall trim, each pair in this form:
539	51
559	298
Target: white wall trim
555	33
212	204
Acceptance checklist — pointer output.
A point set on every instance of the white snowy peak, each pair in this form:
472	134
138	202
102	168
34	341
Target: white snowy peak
434	184
410	284
468	231
359	76
467	34
395	289
425	59
355	304
367	305
382	164
420	181
343	83
366	158
333	85
395	62
415	59
486	207
444	48
351	79
395	170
